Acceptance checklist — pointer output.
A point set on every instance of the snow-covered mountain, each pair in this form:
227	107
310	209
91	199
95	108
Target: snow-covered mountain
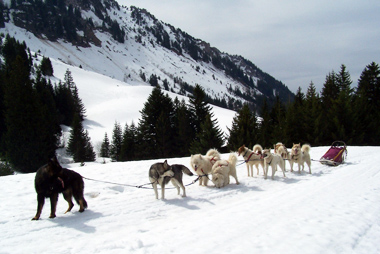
131	45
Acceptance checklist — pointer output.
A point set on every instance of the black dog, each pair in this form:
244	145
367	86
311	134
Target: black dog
51	179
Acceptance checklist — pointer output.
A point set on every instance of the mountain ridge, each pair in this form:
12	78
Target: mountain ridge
131	45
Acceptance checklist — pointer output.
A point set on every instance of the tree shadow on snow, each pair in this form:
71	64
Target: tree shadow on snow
78	220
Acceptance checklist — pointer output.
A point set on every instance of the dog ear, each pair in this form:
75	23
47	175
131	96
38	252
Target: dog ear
166	165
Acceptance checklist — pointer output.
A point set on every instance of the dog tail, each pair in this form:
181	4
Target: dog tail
257	148
187	171
213	153
305	148
232	159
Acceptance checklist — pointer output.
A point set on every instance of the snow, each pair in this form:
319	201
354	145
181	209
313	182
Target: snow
333	210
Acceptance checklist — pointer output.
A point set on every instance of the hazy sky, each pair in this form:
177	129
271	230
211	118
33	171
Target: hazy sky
295	41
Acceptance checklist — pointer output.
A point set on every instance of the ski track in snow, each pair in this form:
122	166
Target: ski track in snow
334	210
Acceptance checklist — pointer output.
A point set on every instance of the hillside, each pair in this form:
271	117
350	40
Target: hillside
129	44
334	210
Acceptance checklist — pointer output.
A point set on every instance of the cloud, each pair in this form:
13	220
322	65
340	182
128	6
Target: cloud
295	41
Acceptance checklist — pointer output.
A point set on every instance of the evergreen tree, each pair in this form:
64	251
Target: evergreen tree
312	109
329	95
90	154
129	143
201	111
277	122
210	136
342	108
244	129
183	124
367	106
105	147
46	67
116	142
77	102
156	126
295	121
79	145
199	107
265	126
26	148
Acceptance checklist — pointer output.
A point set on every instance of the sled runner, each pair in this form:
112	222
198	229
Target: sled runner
335	155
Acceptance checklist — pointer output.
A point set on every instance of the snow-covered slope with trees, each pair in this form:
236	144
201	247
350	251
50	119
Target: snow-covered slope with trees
148	51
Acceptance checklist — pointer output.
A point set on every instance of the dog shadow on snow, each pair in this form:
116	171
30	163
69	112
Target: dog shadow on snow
77	221
185	202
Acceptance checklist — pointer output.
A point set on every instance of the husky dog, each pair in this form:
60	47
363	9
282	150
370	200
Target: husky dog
160	173
300	155
176	180
281	150
202	165
51	179
252	157
222	170
272	160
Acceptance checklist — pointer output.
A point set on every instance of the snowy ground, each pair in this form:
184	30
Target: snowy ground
334	210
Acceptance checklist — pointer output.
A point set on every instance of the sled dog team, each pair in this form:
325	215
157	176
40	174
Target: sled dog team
221	170
51	179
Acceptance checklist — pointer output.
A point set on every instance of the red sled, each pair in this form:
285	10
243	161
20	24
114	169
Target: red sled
335	155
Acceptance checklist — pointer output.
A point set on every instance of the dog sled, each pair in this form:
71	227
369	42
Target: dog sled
335	155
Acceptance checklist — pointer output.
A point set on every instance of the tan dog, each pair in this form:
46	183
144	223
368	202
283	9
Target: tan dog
252	157
300	155
272	160
202	165
222	170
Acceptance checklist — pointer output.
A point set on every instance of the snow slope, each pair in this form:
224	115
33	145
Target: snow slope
334	210
109	100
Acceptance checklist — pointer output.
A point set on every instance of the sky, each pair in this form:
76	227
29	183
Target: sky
295	41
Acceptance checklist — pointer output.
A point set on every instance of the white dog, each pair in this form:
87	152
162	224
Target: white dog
300	155
281	150
222	170
252	157
272	160
202	165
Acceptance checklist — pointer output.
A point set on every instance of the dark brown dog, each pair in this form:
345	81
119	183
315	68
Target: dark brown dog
51	179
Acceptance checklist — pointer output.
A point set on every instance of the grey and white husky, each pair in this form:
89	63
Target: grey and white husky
162	173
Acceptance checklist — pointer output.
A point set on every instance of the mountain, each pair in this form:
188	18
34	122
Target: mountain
129	44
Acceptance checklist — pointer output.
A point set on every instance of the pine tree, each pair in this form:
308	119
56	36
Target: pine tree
329	95
77	102
105	147
312	109
210	136
202	114
76	144
46	67
90	154
244	129
156	126
342	108
129	143
277	122
116	142
199	107
26	148
295	121
183	124
265	126
367	106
